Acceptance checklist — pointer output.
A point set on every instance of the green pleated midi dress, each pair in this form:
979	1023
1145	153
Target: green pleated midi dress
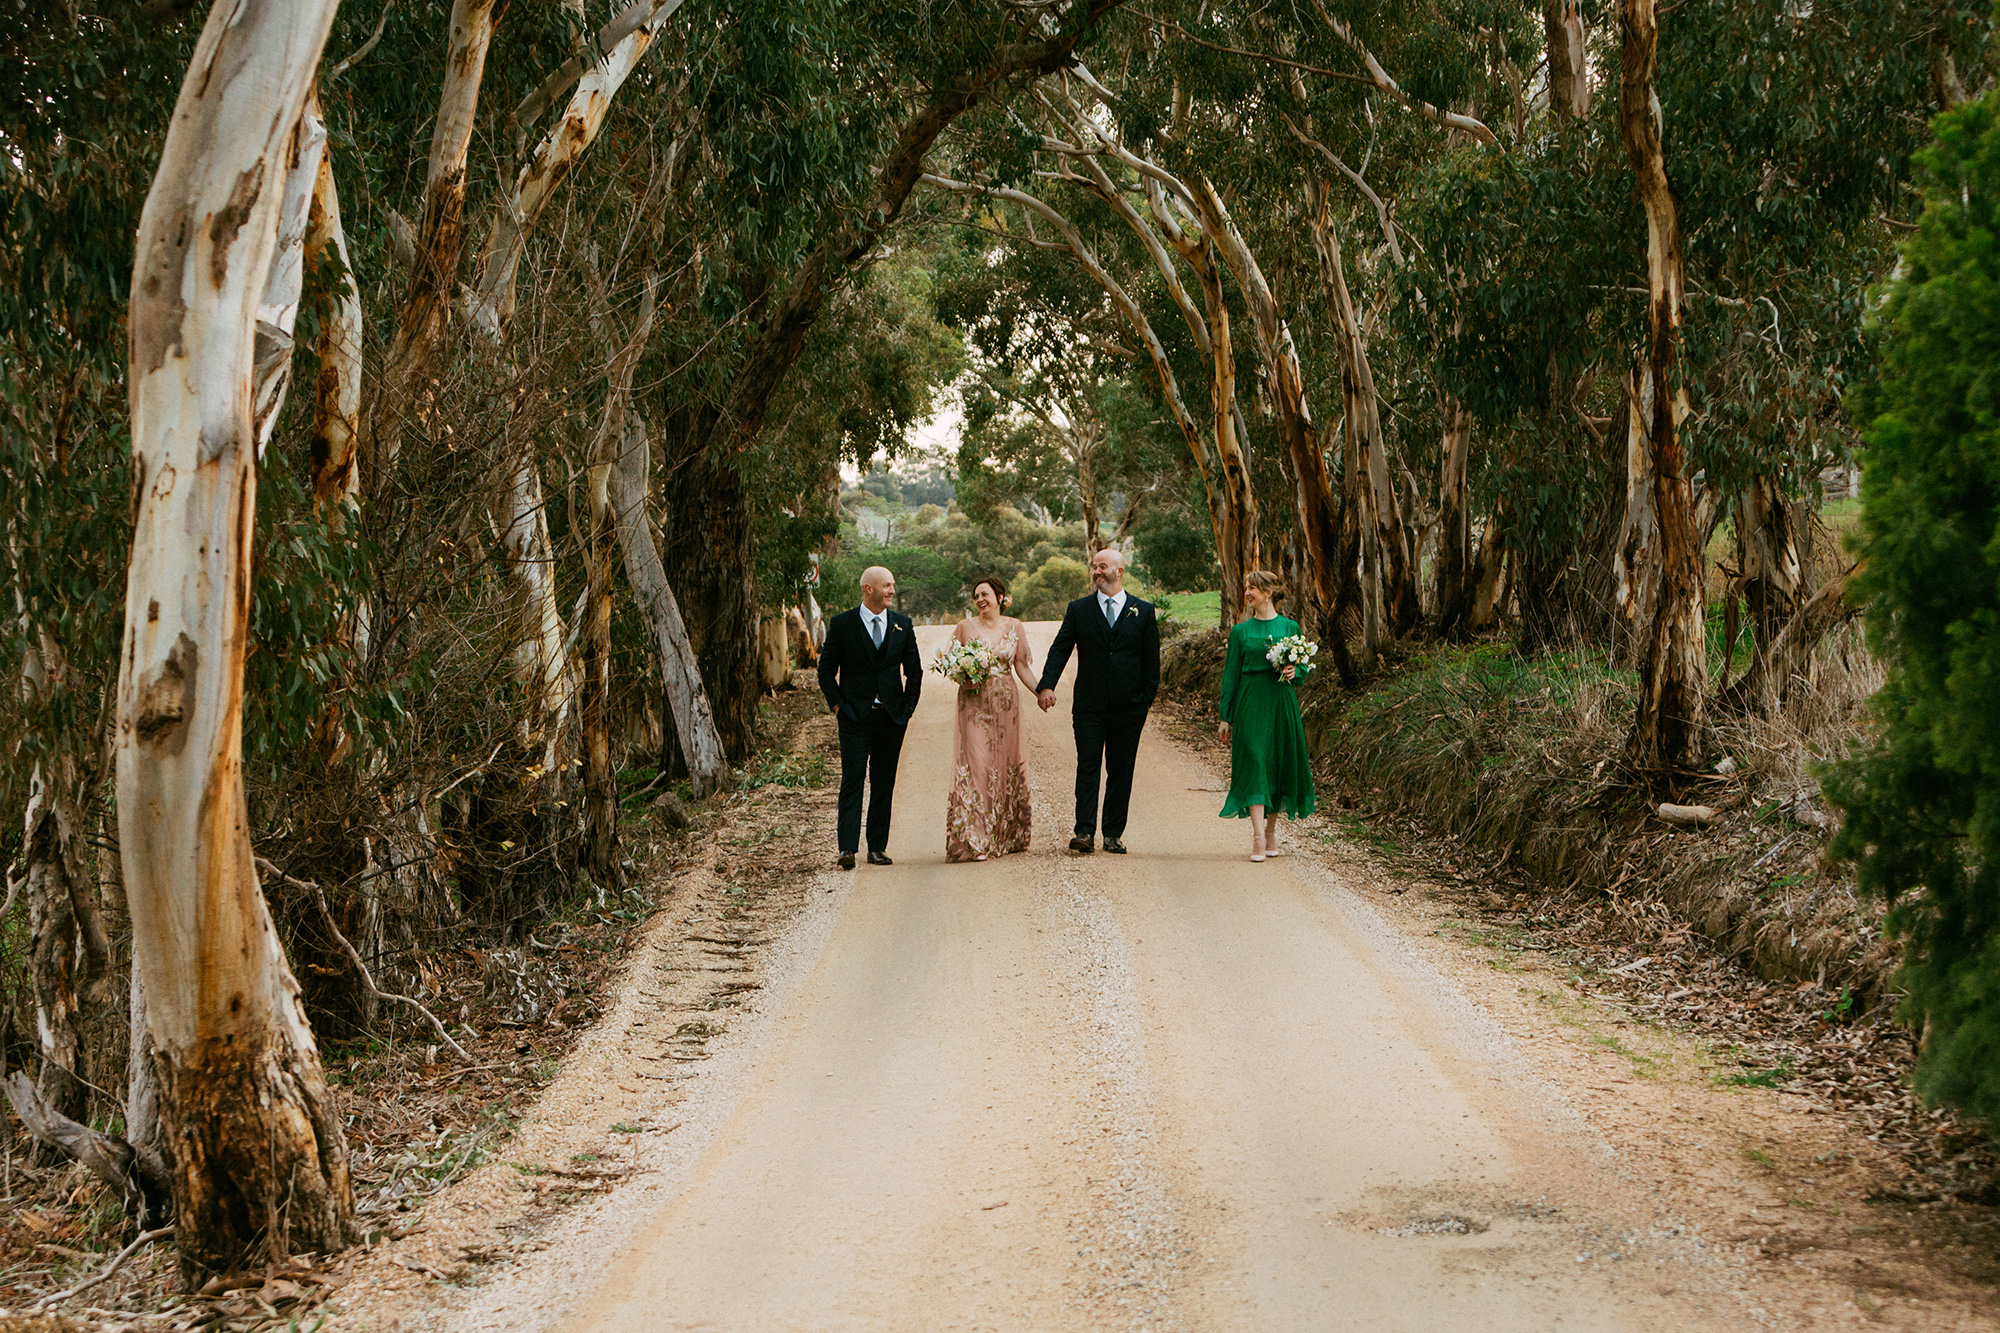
1268	763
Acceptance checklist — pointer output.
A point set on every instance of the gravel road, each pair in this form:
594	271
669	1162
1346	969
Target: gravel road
1169	1090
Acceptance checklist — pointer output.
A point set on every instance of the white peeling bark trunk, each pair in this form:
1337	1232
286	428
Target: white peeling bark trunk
278	309
541	655
420	325
1568	61
490	304
694	719
541	651
257	1160
337	387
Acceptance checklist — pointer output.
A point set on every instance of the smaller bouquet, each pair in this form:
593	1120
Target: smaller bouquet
967	663
1294	650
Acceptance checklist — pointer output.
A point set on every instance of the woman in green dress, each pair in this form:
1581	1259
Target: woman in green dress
1270	772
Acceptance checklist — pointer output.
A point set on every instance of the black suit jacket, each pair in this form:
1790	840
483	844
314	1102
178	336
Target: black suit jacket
854	673
1117	670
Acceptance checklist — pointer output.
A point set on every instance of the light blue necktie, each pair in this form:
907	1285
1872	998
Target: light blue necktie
875	629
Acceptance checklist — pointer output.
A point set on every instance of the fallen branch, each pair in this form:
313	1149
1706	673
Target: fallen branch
354	956
110	1160
144	1238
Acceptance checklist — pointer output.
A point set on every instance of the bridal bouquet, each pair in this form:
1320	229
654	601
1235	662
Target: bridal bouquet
967	663
1294	650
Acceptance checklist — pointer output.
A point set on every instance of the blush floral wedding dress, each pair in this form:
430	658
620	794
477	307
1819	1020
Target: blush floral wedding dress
987	814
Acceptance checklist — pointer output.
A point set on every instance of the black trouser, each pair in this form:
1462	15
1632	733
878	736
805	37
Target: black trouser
1110	741
869	748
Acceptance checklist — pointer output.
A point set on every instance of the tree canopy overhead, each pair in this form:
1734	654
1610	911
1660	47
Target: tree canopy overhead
564	322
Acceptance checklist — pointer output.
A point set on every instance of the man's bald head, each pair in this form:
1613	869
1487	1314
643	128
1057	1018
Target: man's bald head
1107	570
878	587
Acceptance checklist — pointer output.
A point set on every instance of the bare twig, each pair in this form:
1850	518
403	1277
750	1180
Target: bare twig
367	46
144	1238
1254	55
354	956
1449	119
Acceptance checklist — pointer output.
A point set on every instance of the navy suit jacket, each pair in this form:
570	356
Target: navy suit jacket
1117	670
854	673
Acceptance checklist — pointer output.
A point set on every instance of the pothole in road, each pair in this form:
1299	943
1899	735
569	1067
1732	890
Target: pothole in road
1444	1224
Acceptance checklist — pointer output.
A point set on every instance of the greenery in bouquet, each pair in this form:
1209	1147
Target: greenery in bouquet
967	663
1294	650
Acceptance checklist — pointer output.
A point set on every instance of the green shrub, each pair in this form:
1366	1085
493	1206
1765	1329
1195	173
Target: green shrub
927	587
1923	797
1044	594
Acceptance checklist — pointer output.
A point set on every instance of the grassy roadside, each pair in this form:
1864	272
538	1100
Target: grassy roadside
1518	759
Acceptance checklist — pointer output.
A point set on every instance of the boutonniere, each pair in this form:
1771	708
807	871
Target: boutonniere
1131	611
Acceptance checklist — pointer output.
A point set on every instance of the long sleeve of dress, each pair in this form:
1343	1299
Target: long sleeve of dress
1232	671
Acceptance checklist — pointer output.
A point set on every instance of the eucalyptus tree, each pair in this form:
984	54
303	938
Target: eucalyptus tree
252	1139
1052	413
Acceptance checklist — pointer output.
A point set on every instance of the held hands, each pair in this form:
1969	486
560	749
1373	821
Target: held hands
1046	698
1288	673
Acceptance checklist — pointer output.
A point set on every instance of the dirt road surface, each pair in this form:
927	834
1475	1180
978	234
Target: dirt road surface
1168	1090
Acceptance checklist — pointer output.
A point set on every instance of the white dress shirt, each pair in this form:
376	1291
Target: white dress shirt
875	624
1111	605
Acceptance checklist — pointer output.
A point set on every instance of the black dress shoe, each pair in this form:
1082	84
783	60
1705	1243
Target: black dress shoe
847	860
1082	843
1113	845
877	859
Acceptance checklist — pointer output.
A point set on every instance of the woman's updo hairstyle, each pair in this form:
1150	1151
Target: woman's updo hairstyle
1264	581
999	586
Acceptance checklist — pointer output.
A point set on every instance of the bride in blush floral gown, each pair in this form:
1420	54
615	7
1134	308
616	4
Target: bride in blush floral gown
987	814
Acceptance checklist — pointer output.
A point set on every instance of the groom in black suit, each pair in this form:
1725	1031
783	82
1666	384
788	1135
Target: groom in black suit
871	675
1117	641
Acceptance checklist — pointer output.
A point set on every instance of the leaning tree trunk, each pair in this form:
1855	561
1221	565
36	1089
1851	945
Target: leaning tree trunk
1788	655
1312	484
254	1142
1238	539
600	788
1231	507
1668	731
1394	583
337	388
414	352
687	699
